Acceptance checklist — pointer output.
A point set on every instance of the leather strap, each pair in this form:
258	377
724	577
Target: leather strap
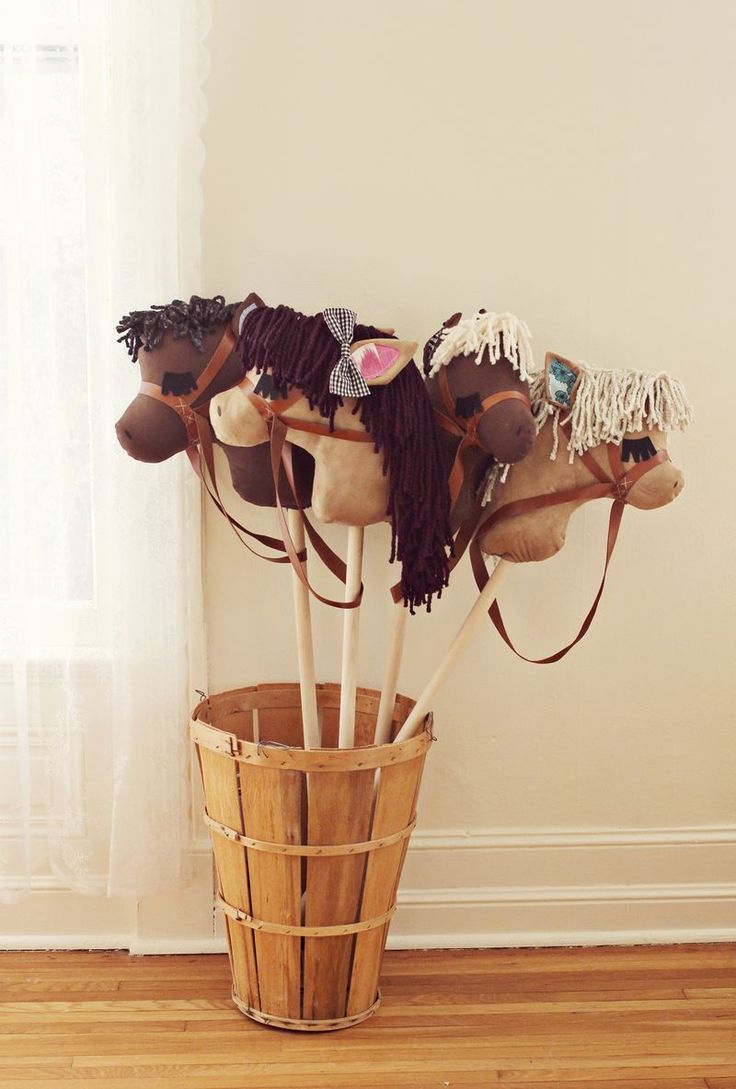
278	432
616	489
467	430
481	578
201	456
270	409
183	405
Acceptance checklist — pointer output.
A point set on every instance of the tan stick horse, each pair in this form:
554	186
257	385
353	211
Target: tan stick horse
615	423
350	483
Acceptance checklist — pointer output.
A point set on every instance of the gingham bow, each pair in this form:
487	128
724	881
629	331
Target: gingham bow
345	378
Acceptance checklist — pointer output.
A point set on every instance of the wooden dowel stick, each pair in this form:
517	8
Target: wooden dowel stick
350	640
391	680
458	645
304	644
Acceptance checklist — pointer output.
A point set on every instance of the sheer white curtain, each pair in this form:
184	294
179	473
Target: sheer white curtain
100	114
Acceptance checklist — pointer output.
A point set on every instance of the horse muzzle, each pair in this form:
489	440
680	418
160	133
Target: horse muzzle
149	431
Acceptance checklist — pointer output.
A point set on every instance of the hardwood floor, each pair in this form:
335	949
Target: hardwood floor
646	1017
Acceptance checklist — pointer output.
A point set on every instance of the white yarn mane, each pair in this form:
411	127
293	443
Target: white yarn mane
504	335
606	406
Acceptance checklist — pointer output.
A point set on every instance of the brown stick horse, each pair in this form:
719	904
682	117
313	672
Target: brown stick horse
615	424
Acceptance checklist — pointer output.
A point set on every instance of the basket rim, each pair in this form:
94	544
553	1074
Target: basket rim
270	754
265	755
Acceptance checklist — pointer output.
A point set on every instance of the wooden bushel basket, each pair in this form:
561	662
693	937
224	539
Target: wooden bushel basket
309	847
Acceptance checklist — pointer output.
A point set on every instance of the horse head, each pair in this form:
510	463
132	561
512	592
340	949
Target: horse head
350	486
614	425
477	372
186	355
345	397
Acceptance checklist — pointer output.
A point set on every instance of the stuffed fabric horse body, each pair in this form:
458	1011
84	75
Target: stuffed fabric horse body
477	371
614	425
357	418
351	481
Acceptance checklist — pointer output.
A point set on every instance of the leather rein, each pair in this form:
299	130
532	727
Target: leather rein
200	451
616	487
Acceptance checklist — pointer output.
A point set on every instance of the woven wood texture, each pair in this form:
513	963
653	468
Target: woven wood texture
290	968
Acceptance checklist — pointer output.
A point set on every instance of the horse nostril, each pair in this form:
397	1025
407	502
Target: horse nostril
127	434
219	411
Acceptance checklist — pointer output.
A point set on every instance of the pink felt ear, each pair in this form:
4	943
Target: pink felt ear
375	359
379	360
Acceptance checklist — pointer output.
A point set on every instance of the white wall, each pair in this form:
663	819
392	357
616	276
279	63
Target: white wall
574	163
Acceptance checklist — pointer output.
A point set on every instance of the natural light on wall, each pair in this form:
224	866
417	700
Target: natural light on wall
95	585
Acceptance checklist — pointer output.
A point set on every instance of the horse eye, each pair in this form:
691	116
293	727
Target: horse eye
638	449
178	384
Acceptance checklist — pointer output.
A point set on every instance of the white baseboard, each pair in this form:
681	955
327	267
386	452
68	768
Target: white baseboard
515	888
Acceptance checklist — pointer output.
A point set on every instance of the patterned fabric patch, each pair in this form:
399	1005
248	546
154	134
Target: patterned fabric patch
561	378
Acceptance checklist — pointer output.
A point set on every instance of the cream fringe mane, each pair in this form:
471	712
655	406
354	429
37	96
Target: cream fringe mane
607	405
505	336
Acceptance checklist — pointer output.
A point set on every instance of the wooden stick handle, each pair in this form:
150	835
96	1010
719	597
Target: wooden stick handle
391	681
458	645
350	640
304	643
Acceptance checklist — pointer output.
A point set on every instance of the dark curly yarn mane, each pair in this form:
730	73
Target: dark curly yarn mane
146	328
301	351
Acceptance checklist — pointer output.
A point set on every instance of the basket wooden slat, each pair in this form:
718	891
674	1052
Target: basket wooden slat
339	812
397	792
306	930
219	777
272	802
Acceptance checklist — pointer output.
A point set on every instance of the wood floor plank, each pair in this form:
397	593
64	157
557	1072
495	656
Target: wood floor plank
647	1017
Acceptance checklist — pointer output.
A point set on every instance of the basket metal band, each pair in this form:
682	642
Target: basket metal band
303	1024
240	916
311	849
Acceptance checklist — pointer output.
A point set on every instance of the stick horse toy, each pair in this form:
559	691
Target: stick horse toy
615	423
477	371
485	411
359	427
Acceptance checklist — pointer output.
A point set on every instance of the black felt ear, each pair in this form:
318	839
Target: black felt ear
268	389
638	449
178	384
465	407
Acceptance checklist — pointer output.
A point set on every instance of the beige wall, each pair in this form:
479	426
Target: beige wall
572	162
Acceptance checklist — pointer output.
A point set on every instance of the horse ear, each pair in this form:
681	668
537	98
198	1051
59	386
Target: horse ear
250	303
379	361
561	380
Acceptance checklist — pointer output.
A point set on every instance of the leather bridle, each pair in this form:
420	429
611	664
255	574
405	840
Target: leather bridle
200	450
466	429
615	486
182	405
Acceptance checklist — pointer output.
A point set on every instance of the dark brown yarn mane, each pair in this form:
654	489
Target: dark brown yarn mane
301	351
